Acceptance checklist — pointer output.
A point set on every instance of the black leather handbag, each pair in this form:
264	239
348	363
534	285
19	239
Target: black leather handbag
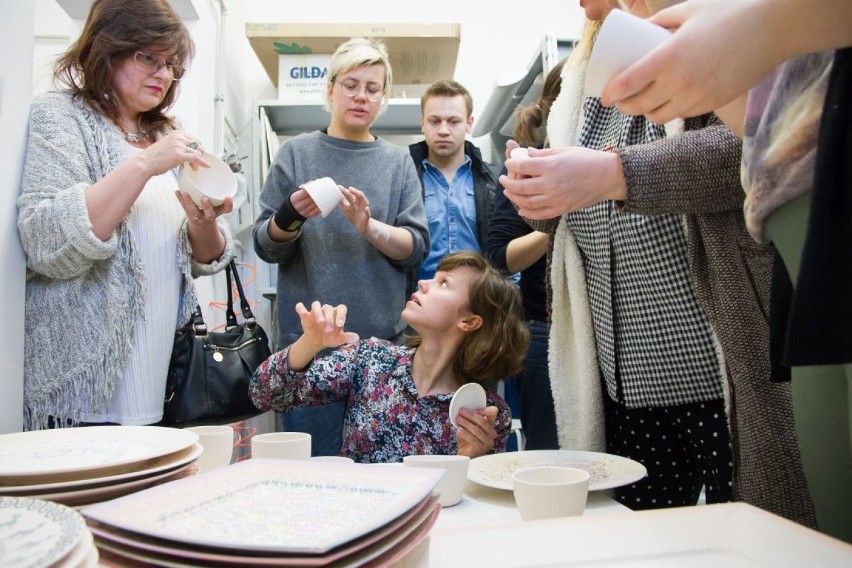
209	372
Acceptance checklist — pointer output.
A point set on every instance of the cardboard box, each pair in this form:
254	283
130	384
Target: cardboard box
302	76
420	54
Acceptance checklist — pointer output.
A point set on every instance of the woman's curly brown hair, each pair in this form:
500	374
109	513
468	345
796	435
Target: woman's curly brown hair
497	348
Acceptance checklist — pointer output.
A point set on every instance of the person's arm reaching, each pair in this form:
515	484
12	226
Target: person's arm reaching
720	49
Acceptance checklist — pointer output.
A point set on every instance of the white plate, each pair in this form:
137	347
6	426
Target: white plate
45	456
89	495
732	535
36	533
470	395
77	558
164	463
605	470
292	506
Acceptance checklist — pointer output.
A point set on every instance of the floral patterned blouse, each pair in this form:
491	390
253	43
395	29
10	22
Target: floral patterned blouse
385	418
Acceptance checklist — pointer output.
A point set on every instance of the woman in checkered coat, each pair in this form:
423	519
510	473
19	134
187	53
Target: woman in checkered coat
650	280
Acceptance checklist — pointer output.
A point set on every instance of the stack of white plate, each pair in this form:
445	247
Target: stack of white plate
81	466
36	533
272	512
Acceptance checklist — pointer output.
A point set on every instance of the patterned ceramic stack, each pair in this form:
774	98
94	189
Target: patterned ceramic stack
272	512
36	533
81	466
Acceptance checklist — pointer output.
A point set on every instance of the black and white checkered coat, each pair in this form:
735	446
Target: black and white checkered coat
655	344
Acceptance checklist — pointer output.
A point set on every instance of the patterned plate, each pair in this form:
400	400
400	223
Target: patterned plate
605	470
36	533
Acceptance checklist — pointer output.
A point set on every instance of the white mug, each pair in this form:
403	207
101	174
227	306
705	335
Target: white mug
549	491
281	445
451	486
622	40
218	444
325	193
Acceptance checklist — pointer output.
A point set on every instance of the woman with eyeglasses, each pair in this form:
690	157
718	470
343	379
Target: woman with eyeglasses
359	254
111	246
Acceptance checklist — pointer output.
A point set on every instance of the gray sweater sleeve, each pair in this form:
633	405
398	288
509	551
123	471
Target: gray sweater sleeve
695	172
53	219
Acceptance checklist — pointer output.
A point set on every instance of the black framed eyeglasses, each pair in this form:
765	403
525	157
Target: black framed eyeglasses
373	92
152	64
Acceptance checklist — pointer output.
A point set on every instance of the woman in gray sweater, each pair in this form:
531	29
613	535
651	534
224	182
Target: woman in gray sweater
359	254
111	246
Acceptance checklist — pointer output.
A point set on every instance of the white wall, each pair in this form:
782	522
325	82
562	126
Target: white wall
16	29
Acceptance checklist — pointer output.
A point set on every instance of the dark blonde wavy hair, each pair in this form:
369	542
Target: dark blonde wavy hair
114	31
529	120
497	348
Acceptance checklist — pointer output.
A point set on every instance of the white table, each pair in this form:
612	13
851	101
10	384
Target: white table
483	505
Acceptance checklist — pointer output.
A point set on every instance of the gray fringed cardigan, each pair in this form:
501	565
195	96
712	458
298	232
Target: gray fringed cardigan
82	294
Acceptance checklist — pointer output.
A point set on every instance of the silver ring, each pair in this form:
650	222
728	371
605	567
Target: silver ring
193	144
190	151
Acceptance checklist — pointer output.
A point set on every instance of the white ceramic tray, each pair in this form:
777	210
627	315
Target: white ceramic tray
732	535
280	506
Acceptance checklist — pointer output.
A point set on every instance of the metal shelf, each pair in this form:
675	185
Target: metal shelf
291	117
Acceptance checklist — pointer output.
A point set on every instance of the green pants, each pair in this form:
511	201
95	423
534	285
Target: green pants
822	399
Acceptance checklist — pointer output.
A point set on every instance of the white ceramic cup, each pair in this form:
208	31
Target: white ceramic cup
622	40
338	459
215	183
451	486
549	491
218	444
281	445
325	193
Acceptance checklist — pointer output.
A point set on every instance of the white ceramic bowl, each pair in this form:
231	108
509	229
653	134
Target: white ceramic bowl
215	183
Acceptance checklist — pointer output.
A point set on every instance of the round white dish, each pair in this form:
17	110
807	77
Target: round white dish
605	470
50	456
471	396
37	533
164	463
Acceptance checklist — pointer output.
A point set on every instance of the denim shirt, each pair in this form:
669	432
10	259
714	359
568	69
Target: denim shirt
451	212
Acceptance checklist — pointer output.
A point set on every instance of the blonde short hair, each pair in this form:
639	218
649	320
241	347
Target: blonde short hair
358	52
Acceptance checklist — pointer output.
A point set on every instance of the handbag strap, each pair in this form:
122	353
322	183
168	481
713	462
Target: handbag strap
230	316
198	325
199	328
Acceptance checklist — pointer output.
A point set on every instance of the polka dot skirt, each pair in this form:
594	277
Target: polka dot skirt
684	448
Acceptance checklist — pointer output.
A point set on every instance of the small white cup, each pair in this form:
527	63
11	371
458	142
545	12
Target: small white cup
215	183
548	492
519	153
451	486
622	40
325	193
281	445
338	459
218	444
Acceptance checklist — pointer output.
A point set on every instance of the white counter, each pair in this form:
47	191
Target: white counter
486	506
